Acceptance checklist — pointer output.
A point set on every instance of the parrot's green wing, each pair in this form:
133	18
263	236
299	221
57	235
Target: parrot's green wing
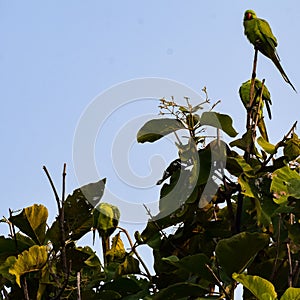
268	42
257	107
266	31
259	33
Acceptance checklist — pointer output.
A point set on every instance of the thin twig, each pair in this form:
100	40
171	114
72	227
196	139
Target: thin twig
214	105
228	194
133	249
257	119
62	225
279	144
253	78
239	210
277	250
25	288
152	220
218	281
63	183
78	286
52	186
160	230
57	297
249	108
13	231
61	219
290	276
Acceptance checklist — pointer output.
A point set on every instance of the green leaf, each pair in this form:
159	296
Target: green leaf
218	120
291	294
293	187
78	209
30	260
8	246
292	147
124	286
180	290
268	147
238	165
171	259
106	218
93	260
234	254
195	264
248	187
117	251
294	232
32	221
245	143
263	218
4	268
261	288
285	183
155	129
109	295
78	257
93	192
129	266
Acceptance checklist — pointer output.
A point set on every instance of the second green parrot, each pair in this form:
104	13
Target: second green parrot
257	105
259	33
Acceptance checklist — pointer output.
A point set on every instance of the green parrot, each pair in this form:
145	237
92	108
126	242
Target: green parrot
259	33
105	220
257	107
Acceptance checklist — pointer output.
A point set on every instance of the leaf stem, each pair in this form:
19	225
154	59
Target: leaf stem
218	281
133	249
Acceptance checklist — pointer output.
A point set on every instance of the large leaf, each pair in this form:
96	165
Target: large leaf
30	260
5	266
237	252
292	147
130	265
261	288
291	294
268	147
285	183
155	129
218	120
245	143
93	192
180	291
238	165
194	264
124	286
32	221
9	246
117	251
78	209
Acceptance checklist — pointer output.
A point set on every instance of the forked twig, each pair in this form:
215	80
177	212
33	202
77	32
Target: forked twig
133	249
218	281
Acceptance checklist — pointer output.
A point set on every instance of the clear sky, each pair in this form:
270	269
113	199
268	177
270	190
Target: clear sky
57	56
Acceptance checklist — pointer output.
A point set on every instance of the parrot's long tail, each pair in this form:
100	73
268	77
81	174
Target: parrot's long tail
275	60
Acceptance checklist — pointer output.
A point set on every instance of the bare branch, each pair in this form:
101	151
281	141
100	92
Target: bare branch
52	186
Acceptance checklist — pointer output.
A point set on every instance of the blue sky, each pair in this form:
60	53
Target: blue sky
57	56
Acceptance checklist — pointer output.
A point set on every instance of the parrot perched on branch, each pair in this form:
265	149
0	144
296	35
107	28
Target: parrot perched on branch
259	33
257	105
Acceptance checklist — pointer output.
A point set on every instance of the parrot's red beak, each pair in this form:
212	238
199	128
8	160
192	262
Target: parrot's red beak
249	16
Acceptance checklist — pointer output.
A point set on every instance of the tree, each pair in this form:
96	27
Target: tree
228	213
